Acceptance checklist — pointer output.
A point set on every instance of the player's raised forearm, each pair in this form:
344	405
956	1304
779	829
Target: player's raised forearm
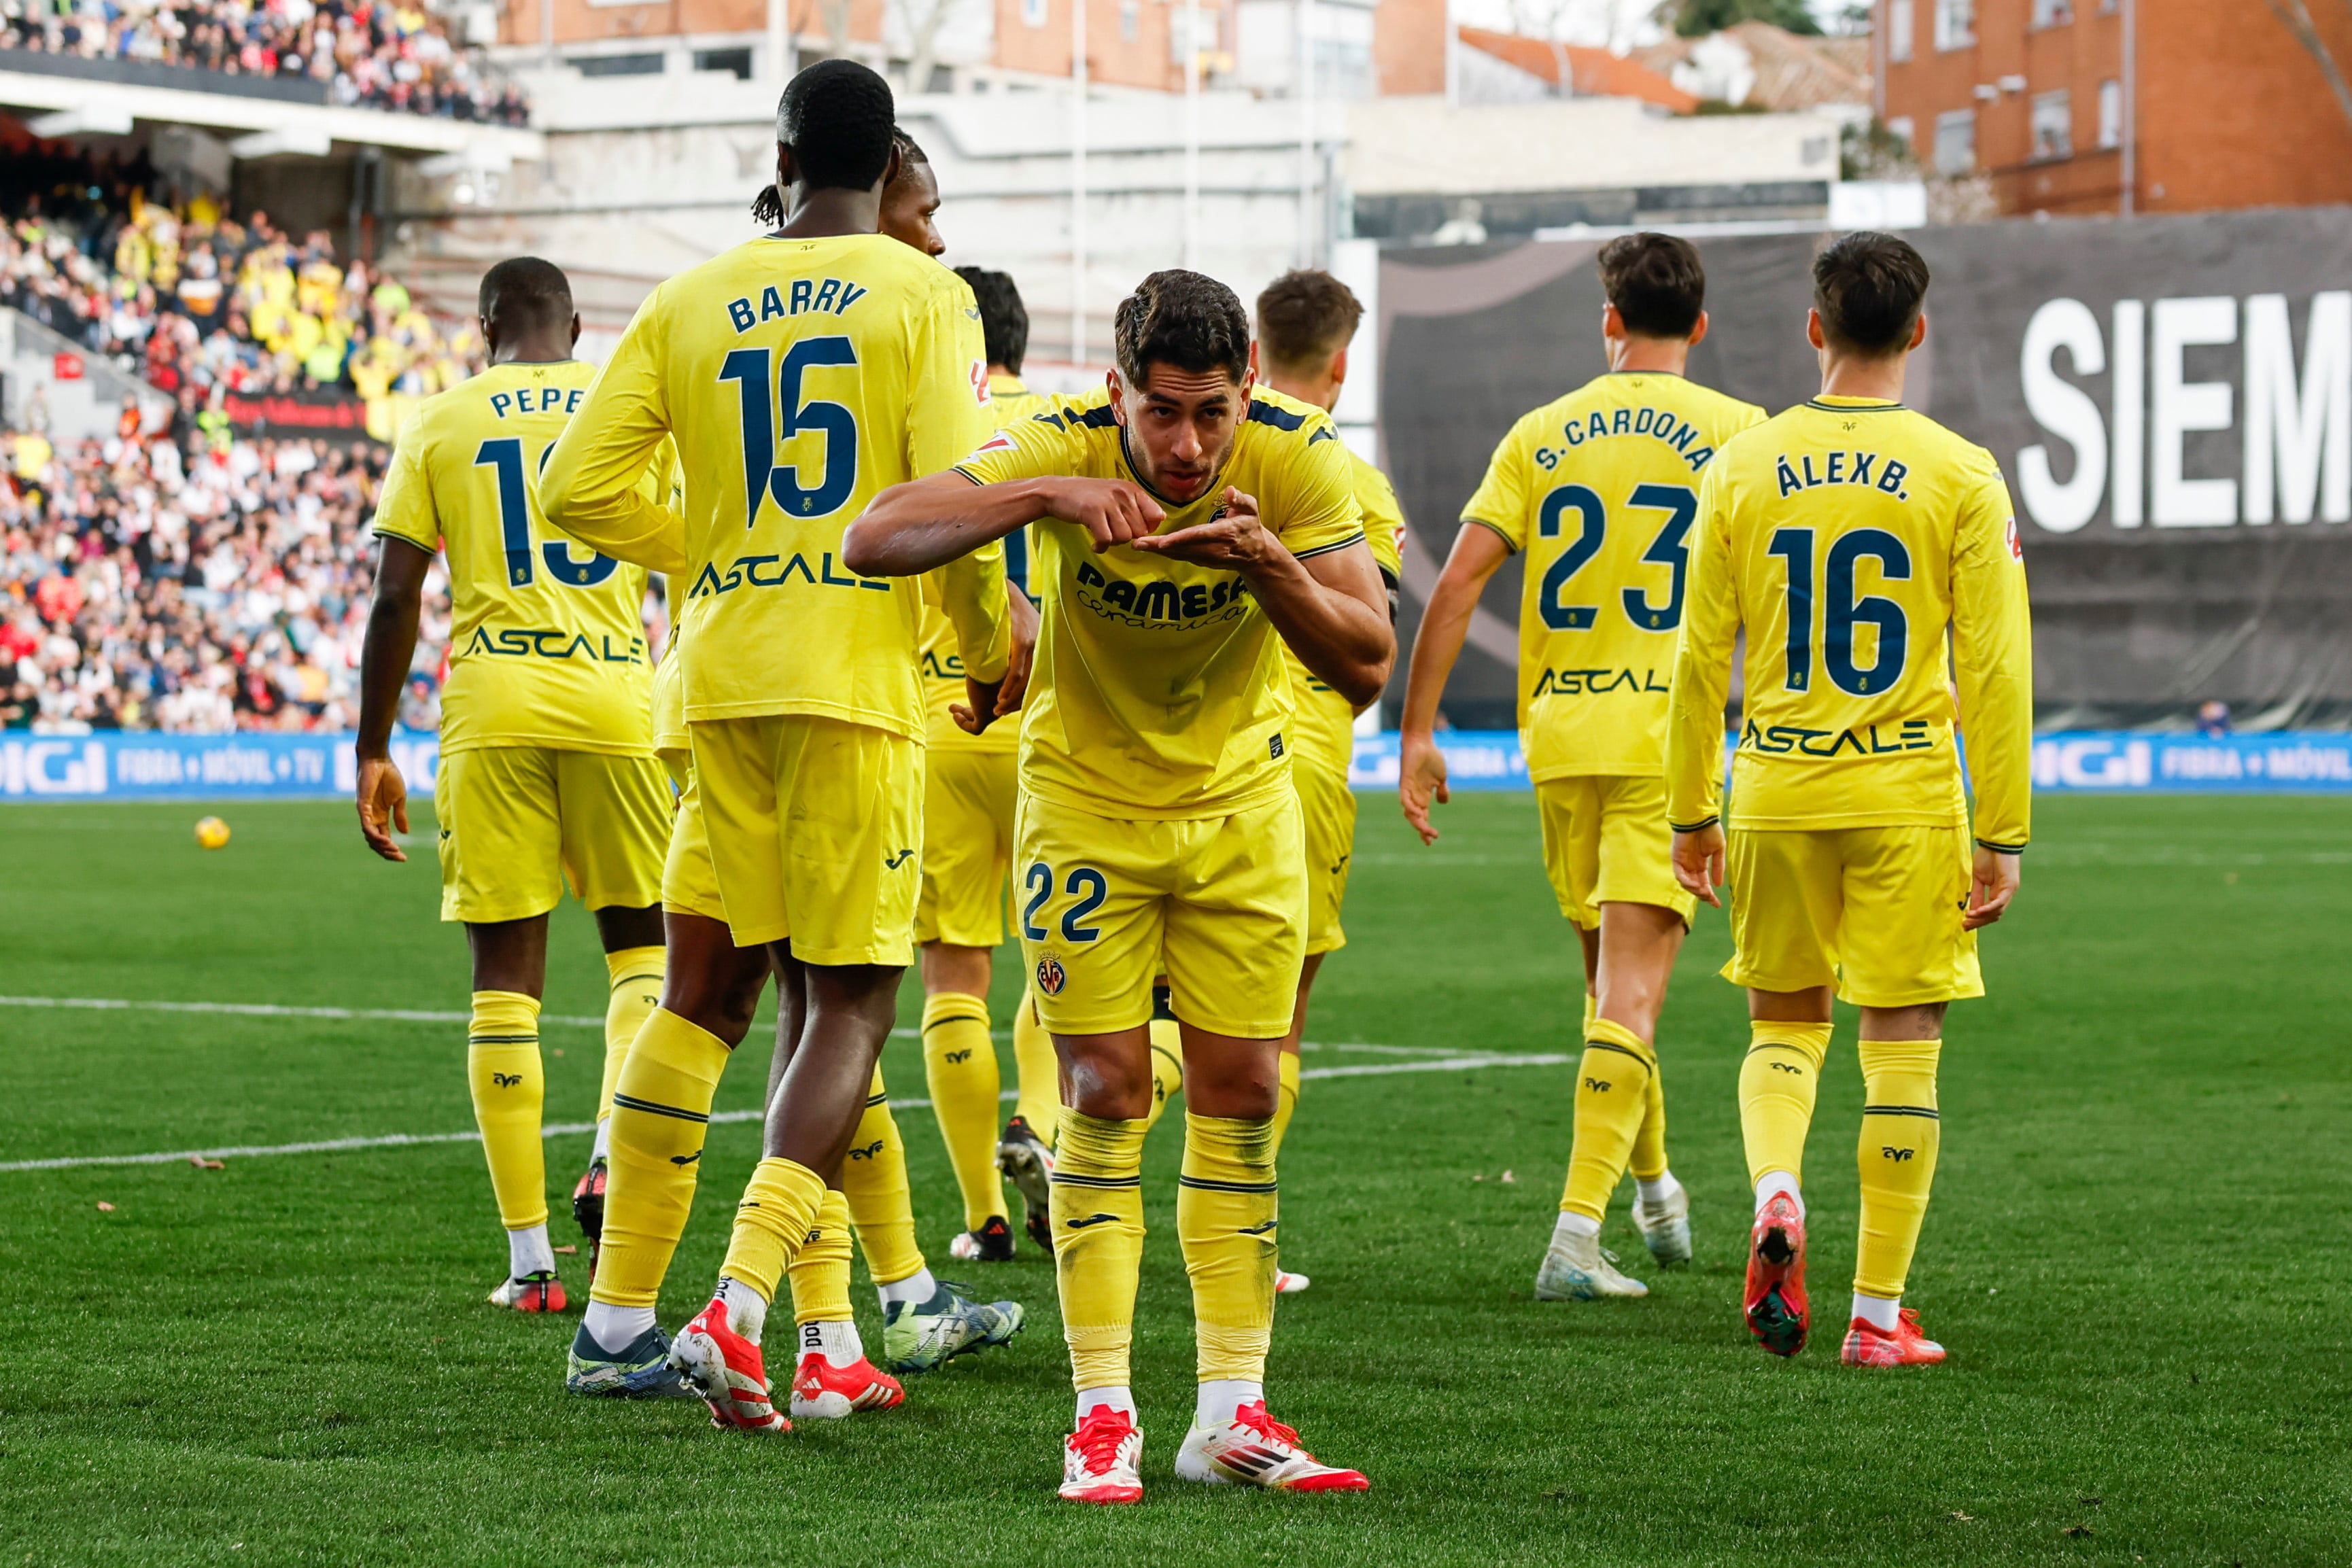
910	528
1338	629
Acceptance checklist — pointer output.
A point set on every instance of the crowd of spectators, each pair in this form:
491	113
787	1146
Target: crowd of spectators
364	52
221	586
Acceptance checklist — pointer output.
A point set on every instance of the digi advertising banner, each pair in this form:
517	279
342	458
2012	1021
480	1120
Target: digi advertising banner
2169	398
115	766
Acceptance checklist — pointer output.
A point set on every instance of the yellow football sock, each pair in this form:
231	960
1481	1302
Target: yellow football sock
771	1223
636	991
820	1270
959	1064
1285	1096
1098	1243
1227	1205
1612	1094
1167	1069
1777	1083
1039	1071
661	1112
1648	1160
874	1180
1900	1134
510	1087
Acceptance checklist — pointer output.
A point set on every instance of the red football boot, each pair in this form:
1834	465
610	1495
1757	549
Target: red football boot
1777	1313
727	1370
1869	1345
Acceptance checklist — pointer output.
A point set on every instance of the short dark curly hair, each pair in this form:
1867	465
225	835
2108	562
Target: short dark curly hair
839	119
1304	318
525	293
1869	289
1187	319
1656	283
1003	320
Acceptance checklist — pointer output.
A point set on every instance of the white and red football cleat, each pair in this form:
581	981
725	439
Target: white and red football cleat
1287	1283
531	1293
1778	1314
823	1392
1256	1450
727	1370
1100	1460
1866	1344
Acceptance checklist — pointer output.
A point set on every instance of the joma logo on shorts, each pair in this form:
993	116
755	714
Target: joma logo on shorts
893	862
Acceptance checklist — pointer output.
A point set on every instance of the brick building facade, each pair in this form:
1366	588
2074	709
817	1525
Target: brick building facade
2223	107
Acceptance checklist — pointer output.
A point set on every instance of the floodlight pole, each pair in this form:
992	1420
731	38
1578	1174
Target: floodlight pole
1305	132
1192	134
1078	183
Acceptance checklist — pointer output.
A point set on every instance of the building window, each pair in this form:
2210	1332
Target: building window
1130	20
1956	23
2111	114
618	65
1956	141
2053	13
2053	125
1898	29
1032	13
1900	128
736	61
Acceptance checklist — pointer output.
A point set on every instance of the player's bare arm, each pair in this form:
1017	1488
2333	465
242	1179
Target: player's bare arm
912	528
1331	609
1421	775
382	796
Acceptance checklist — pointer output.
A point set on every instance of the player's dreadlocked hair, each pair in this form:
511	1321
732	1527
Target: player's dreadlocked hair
1656	282
1868	289
1182	319
1304	318
1003	320
768	206
523	293
839	119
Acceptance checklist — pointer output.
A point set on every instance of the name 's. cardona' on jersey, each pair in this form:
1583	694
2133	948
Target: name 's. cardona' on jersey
1156	602
1659	424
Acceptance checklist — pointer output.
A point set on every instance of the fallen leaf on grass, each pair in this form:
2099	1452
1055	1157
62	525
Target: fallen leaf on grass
1964	1518
1509	1180
1479	1175
557	1051
202	1163
104	1207
567	1250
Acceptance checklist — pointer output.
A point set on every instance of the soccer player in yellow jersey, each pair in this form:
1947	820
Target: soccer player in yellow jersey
801	373
547	766
1849	538
1187	522
967	852
1305	322
1599	489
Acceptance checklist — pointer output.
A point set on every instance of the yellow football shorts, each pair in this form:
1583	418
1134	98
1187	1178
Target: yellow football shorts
1875	911
1105	903
815	831
689	881
1329	806
1605	840
967	846
518	822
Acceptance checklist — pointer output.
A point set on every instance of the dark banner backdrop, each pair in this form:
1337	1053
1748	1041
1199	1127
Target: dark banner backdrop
2171	399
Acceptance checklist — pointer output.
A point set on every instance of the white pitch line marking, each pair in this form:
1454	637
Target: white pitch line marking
566	1129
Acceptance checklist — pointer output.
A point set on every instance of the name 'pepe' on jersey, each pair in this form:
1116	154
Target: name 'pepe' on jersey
1010	402
1324	723
1847	536
1158	689
548	647
801	377
1598	490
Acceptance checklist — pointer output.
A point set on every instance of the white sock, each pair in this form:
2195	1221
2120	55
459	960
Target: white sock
1879	1312
747	1310
1571	1223
1658	1191
1221	1399
1774	1182
614	1329
603	1147
1117	1397
914	1289
527	1253
836	1341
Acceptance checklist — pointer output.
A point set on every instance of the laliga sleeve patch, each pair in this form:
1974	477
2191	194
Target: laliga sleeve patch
2016	544
980	393
1000	442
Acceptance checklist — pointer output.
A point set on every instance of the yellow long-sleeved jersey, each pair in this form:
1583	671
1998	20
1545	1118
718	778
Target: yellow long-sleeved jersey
1848	536
1323	723
801	377
1009	402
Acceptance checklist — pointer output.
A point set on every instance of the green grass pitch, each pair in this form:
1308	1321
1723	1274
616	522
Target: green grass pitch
2137	1252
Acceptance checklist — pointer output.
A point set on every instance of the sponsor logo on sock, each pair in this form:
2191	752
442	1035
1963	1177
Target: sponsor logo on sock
1892	1153
1257	1229
959	1056
1787	1067
1091	1220
506	1080
1598	1085
682	1161
868	1152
